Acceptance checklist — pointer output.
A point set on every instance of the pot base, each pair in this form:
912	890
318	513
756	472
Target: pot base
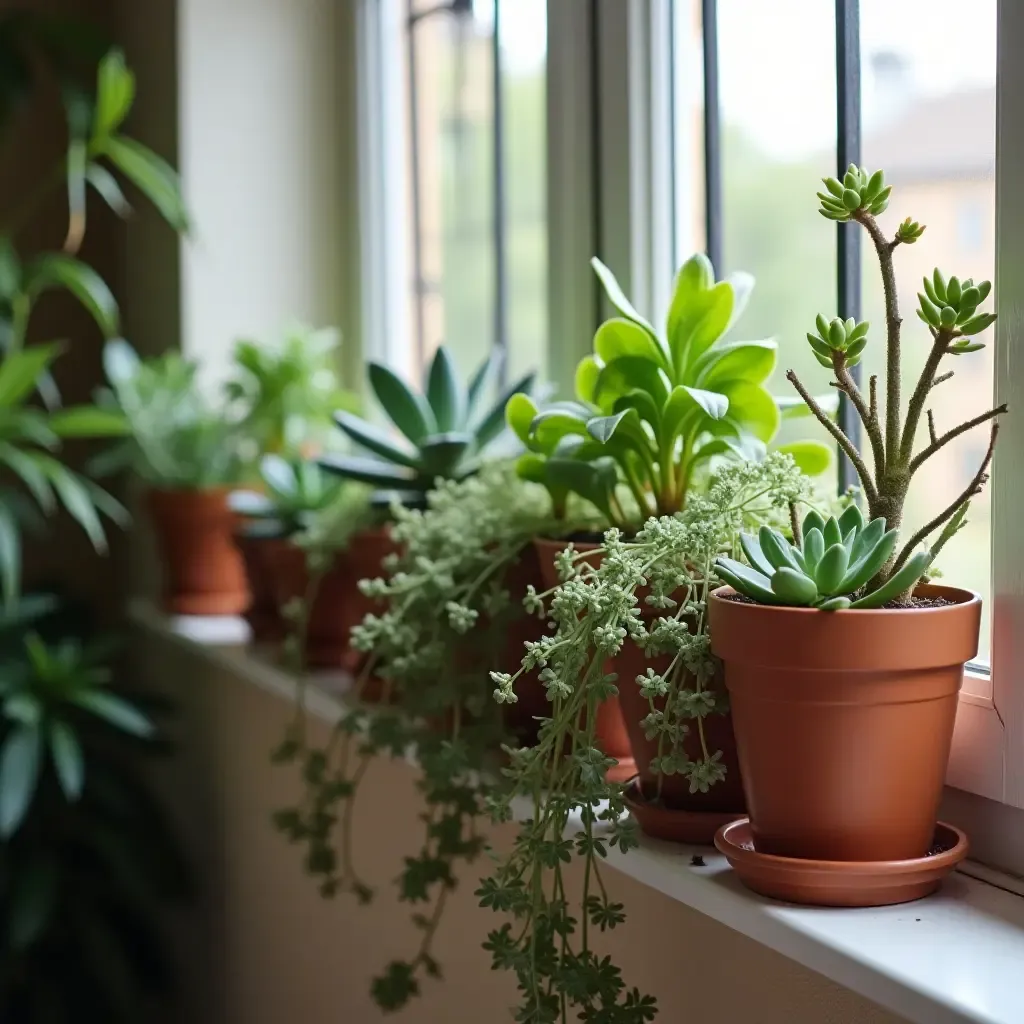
832	883
207	604
695	827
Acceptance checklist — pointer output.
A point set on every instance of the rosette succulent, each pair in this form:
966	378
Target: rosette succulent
445	432
832	561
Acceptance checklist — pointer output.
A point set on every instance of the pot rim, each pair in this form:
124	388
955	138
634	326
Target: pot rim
970	597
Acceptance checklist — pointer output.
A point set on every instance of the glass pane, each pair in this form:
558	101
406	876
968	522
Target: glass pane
931	125
778	139
452	176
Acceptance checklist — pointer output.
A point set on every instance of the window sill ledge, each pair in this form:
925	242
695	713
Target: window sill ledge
953	958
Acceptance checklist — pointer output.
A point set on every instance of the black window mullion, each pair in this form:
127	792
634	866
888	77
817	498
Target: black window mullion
848	144
712	137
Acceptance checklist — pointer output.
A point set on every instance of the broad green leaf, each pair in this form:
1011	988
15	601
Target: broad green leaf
617	297
751	361
152	175
115	92
603	428
58	270
405	408
645	406
587	372
383	475
20	371
89	421
812	457
19	775
376	440
108	188
687	406
627	374
549	426
913	569
10	555
250	503
618	338
745	580
752	549
866	562
699	326
752	409
533	467
718	446
121	362
493	422
115	711
444	393
23	707
593	481
520	411
693	280
67	759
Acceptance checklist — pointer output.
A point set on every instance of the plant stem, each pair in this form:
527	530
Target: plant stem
884	248
868	417
940	345
939	442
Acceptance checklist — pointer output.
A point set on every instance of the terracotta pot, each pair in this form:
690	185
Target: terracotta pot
844	720
724	797
610	727
203	570
338	604
263	613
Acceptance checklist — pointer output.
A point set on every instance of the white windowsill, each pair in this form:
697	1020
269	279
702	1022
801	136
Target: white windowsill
953	958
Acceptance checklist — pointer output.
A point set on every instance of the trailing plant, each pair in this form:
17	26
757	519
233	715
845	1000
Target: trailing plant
295	492
85	850
831	560
950	310
570	807
178	437
655	408
290	390
448	430
444	628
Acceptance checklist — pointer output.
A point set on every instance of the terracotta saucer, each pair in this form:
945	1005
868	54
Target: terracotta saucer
835	883
697	827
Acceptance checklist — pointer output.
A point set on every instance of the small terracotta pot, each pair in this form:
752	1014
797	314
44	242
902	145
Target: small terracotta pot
724	797
844	720
610	726
263	613
203	570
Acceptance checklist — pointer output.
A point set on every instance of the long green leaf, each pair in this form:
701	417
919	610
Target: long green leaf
385	475
115	92
443	453
751	361
58	270
520	412
811	457
617	297
75	497
10	556
89	421
109	190
152	175
405	408
485	373
752	408
493	423
26	466
618	337
115	711
20	371
376	440
68	761
19	775
444	392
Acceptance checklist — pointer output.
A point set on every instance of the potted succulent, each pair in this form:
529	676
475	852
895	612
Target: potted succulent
293	493
654	413
185	450
445	433
291	392
843	670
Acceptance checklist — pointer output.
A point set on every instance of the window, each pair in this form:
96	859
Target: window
472	145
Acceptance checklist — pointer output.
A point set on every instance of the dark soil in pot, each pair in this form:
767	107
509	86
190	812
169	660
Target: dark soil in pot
203	569
844	720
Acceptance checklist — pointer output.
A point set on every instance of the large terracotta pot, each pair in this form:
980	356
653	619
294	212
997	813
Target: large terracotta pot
263	613
203	570
844	720
610	727
725	796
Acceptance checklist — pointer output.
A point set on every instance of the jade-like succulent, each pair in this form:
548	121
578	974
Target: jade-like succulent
833	560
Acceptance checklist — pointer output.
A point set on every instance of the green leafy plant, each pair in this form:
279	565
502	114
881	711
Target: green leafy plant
448	431
832	561
447	612
654	409
295	492
950	311
571	809
178	437
291	391
85	851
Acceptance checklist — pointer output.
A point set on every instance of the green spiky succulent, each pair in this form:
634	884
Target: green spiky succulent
952	305
833	561
857	192
838	335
